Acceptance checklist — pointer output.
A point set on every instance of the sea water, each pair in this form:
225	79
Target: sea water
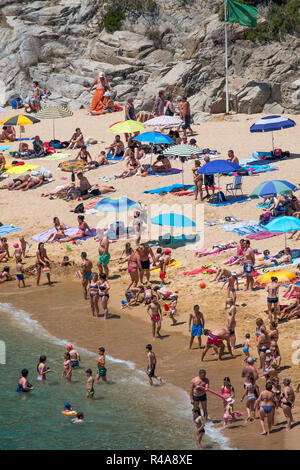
126	413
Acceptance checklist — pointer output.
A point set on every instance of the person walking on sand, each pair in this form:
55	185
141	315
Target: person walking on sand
152	363
272	298
231	322
231	281
104	255
267	408
155	314
102	371
288	402
199	385
197	321
86	273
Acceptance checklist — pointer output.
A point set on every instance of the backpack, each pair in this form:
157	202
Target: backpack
220	196
79	209
277	153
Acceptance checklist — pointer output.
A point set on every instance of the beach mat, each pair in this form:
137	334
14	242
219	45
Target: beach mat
4	147
56	156
174	171
263	235
168	189
5	229
19	169
173	264
199	271
229	203
70	231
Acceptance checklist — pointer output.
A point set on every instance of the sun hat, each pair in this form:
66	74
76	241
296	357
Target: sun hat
101	74
67	405
168	251
107	93
16	245
251	359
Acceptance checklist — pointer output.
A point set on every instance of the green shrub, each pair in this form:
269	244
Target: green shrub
113	19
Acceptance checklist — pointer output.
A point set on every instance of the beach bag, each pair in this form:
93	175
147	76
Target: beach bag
17	103
221	196
55	143
64	145
264	218
277	153
79	209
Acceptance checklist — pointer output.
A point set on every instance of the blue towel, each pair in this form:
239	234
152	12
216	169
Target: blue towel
168	189
174	171
5	229
110	157
4	147
228	203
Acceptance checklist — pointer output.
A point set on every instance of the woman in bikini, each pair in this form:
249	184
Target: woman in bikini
94	294
84	156
288	402
251	393
41	262
198	180
33	182
60	231
83	230
67	367
132	167
266	404
227	390
104	293
134	265
263	345
42	369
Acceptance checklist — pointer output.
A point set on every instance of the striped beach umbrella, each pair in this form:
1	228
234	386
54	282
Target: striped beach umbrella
71	166
271	188
54	112
164	121
271	124
182	150
19	120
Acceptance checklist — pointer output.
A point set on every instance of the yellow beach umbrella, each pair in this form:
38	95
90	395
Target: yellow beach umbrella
282	275
19	120
127	127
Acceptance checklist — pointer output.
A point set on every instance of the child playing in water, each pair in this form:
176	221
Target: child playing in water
246	346
90	391
20	272
229	414
199	423
23	244
102	371
79	418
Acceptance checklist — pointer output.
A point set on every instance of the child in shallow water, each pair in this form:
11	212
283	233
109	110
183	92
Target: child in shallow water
79	418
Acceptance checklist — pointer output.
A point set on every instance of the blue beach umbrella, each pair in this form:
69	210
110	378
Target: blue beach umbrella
218	166
173	220
110	204
271	188
271	124
284	225
153	138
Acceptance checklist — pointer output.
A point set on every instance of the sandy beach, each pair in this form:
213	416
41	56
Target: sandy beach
126	334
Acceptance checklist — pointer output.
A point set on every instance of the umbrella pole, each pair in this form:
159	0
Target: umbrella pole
273	141
53	127
182	173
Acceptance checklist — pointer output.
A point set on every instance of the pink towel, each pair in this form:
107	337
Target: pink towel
263	235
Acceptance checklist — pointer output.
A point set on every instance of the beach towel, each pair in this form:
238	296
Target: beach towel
203	250
263	235
56	156
18	169
24	138
228	203
4	147
173	264
199	271
5	229
70	231
212	223
280	266
168	189
174	171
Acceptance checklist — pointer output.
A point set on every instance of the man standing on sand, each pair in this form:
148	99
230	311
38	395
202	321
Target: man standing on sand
186	116
197	319
250	370
86	272
249	262
104	255
152	362
215	340
146	253
231	322
154	311
199	385
159	104
74	356
102	86
209	180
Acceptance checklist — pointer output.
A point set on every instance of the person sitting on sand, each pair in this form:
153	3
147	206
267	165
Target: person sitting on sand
84	185
292	288
60	231
222	273
285	259
2	162
116	148
161	165
38	147
8	133
76	140
59	190
5	275
217	249
132	167
4	249
292	311
84	155
83	230
34	103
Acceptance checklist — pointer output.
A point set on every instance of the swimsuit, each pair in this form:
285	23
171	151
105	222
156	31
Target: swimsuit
102	372
248	269
74	363
104	259
20	276
245	350
267	408
151	370
197	330
201	398
155	318
231	332
93	286
145	264
132	268
273	300
213	339
91	392
88	275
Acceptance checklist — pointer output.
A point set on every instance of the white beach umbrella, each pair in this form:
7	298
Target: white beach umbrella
164	121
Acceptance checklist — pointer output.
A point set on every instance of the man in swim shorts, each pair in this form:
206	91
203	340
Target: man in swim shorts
104	255
145	252
152	362
249	262
198	389
102	371
197	321
154	311
74	356
86	272
215	340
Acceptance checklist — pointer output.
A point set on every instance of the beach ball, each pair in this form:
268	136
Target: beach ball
202	285
77	274
123	302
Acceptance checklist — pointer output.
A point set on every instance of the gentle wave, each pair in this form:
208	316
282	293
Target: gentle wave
181	406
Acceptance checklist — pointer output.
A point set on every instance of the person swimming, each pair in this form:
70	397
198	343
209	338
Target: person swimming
23	384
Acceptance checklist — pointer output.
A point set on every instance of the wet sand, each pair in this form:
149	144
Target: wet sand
62	311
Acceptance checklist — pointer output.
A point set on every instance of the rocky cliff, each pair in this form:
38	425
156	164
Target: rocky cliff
178	47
